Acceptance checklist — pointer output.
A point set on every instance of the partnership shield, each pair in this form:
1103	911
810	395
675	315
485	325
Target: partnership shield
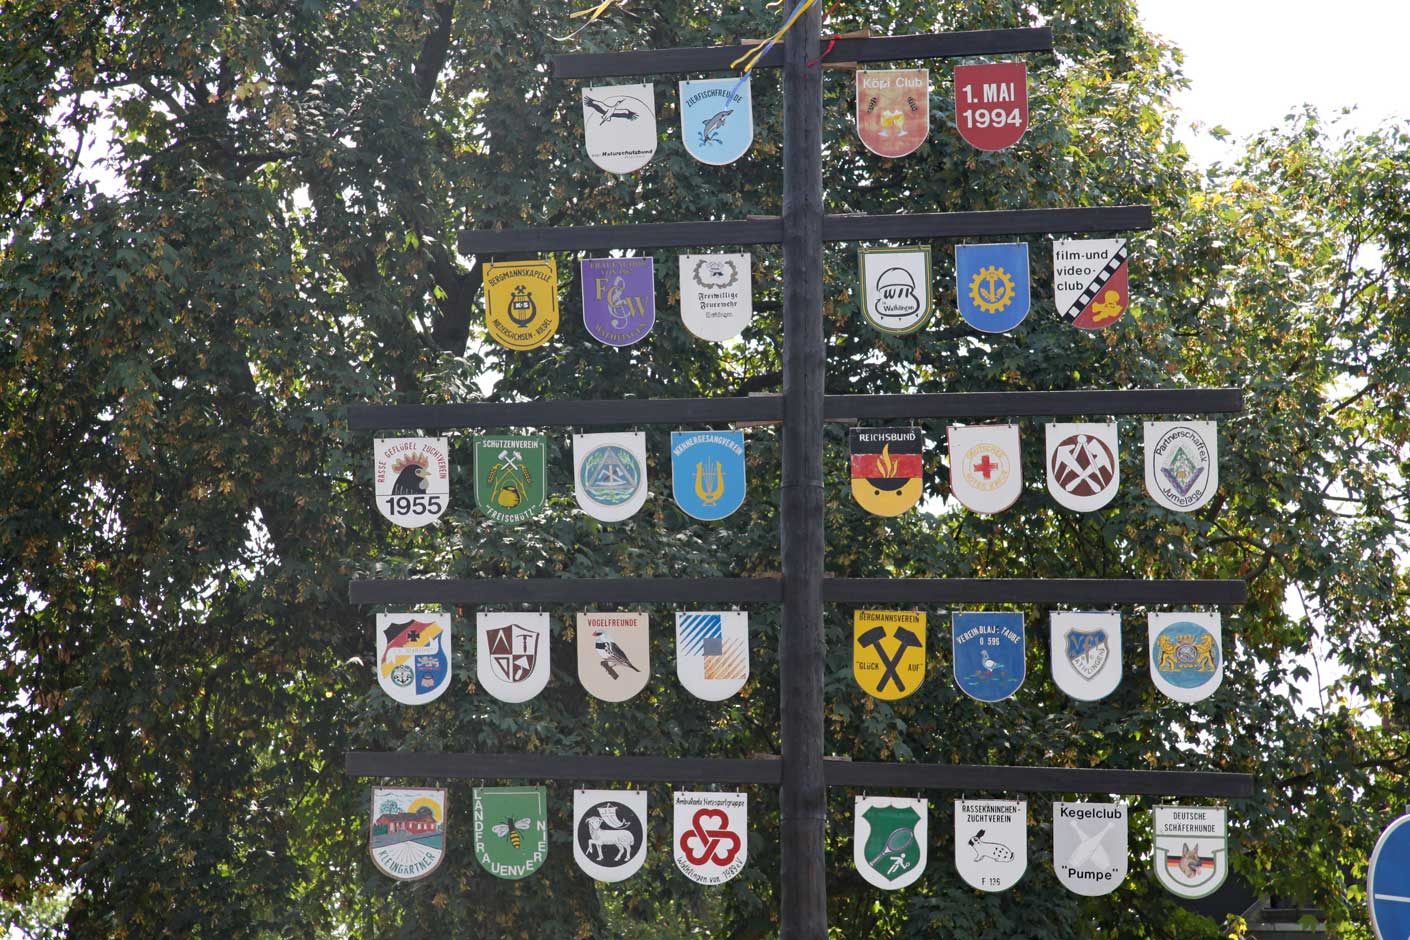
1182	463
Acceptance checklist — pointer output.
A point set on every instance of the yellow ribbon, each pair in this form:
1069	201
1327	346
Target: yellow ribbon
752	57
593	14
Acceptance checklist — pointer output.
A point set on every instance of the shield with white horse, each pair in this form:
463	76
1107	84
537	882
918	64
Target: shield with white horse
609	832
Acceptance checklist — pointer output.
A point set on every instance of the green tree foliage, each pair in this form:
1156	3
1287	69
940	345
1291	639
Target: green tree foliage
182	504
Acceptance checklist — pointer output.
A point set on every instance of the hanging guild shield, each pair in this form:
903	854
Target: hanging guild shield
717	119
993	285
717	295
986	472
619	126
991	104
896	288
1191	849
414	656
614	654
893	110
1082	465
408	831
991	842
710	840
609	832
411	476
888	652
1089	847
511	830
1091	285
1086	652
609	474
521	302
619	299
1187	654
509	476
886	469
511	654
988	653
707	472
890	836
712	652
1182	463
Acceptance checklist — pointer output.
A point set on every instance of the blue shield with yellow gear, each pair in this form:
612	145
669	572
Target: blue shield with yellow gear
707	472
993	285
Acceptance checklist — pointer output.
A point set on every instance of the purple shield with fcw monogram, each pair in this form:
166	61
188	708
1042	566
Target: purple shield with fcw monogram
619	299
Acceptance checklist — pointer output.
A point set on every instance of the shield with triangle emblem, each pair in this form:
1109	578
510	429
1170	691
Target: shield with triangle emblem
614	654
609	474
511	830
1182	463
986	469
511	661
890	836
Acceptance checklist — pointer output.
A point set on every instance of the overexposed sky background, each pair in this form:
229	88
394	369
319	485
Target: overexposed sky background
1250	62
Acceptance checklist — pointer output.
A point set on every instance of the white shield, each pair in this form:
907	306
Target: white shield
712	652
414	654
991	842
1182	463
717	295
711	838
1191	849
614	654
896	288
609	832
609	474
890	840
1187	654
1082	464
619	126
412	479
1089	846
986	472
407	838
1086	652
511	654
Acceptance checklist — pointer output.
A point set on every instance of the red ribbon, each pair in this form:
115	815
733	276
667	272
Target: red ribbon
832	41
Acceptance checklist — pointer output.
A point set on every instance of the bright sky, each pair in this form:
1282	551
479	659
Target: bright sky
1250	62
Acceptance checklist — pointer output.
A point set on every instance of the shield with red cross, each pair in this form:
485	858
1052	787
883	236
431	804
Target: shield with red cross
986	474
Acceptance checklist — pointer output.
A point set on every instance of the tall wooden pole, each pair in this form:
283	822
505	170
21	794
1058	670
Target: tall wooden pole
803	795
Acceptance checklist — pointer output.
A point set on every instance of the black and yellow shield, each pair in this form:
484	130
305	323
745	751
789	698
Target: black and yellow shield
521	302
886	469
888	652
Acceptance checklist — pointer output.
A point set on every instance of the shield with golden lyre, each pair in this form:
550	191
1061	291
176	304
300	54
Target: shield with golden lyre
509	472
707	472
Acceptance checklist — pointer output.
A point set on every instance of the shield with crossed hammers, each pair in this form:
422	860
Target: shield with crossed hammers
888	652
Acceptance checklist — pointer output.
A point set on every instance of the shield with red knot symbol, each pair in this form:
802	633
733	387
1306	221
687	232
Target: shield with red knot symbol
711	842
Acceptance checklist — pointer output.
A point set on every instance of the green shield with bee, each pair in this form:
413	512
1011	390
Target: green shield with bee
511	830
509	470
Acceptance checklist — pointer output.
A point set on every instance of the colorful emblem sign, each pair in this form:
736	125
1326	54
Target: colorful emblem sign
991	104
609	832
1091	283
609	474
707	472
408	832
414	656
619	299
886	469
710	840
991	842
717	295
1191	855
717	119
988	653
893	110
888	652
511	654
1182	463
1086	652
619	126
614	654
1089	847
896	288
889	840
986	473
993	285
1187	655
411	476
712	652
509	476
1083	470
511	830
521	302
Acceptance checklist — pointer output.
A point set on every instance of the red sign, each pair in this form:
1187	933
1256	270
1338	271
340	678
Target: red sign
991	103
